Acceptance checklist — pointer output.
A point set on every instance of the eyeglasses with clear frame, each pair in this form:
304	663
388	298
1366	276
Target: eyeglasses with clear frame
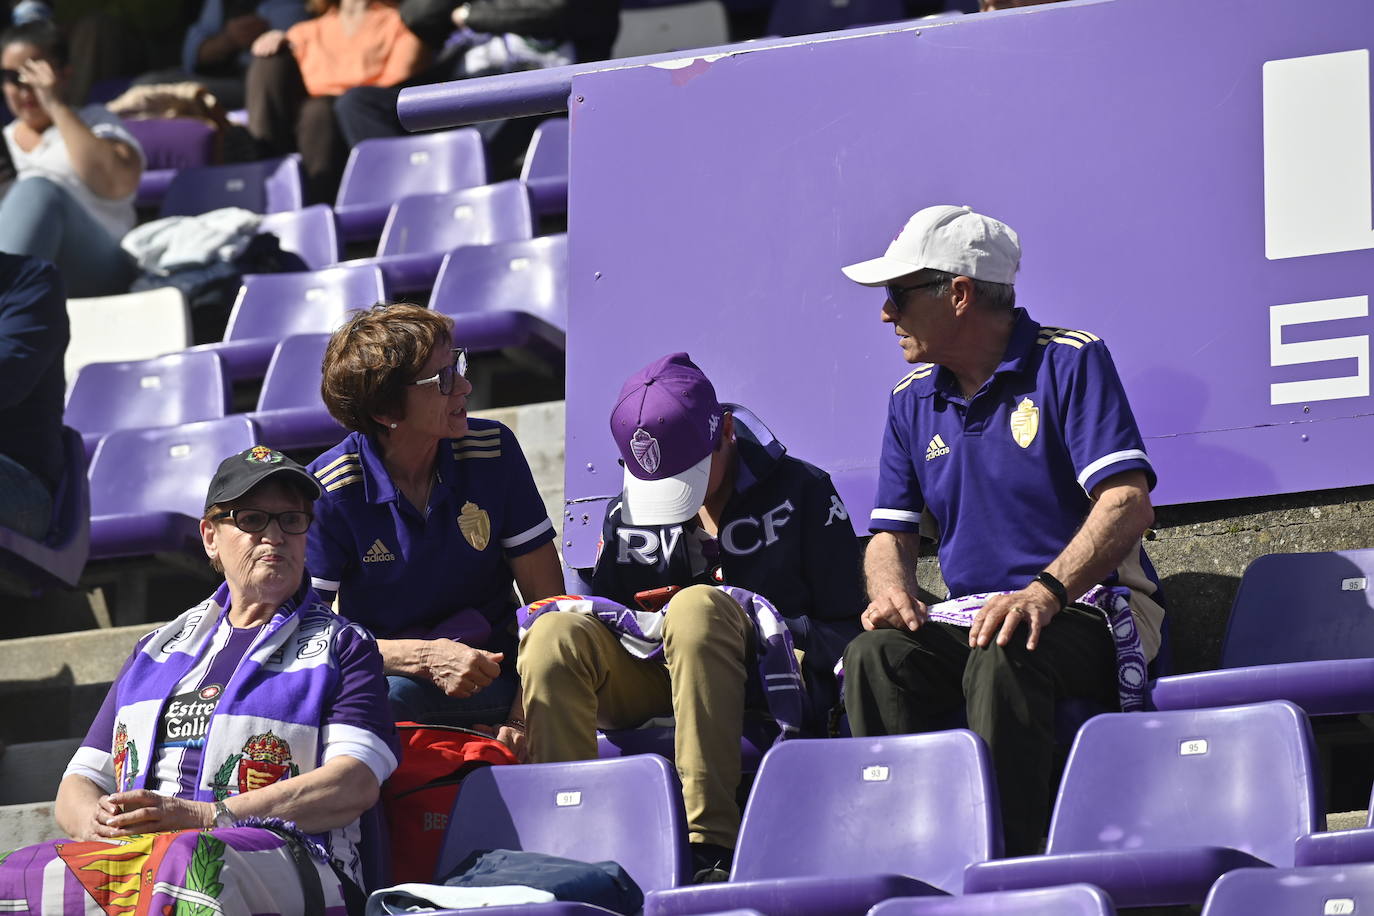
445	377
292	521
895	292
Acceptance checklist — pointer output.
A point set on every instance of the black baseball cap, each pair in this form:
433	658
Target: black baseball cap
240	473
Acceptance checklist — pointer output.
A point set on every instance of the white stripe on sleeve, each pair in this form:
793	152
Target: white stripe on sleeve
96	765
527	536
896	515
1130	454
350	741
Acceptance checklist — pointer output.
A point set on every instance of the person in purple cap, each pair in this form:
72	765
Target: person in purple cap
710	498
1017	441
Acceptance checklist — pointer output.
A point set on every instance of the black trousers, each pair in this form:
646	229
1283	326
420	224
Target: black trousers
284	118
901	682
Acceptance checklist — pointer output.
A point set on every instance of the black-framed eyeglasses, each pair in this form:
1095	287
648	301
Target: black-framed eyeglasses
895	292
444	377
11	76
292	521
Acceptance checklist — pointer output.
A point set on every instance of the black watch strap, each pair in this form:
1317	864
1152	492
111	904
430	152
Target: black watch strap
1056	588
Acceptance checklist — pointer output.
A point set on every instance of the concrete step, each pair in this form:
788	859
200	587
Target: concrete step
540	429
23	825
53	685
31	772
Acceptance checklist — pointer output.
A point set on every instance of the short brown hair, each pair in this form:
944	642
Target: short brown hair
372	358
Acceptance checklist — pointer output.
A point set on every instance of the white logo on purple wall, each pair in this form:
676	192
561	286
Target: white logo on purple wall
645	449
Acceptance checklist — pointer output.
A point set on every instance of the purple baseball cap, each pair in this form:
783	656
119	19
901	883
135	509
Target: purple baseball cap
666	424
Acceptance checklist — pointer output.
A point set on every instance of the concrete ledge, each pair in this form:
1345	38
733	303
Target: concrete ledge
24	825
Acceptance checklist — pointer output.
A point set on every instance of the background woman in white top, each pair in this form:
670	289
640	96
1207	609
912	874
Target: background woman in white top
77	172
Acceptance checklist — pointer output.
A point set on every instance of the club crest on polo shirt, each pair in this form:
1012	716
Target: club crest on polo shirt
936	448
1025	423
475	524
378	553
645	449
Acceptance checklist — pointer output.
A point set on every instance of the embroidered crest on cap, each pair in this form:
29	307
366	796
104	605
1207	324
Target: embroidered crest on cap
264	455
475	524
1025	423
645	449
713	423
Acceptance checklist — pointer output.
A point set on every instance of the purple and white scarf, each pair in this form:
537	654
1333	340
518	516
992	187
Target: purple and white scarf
266	725
777	675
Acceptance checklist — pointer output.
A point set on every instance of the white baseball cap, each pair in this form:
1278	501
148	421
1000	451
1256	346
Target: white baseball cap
953	239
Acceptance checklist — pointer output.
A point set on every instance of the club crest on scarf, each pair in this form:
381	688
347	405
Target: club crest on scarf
265	759
125	759
475	524
645	449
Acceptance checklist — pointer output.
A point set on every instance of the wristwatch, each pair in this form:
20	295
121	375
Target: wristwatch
223	816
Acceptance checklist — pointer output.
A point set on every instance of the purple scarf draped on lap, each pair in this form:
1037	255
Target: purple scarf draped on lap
777	676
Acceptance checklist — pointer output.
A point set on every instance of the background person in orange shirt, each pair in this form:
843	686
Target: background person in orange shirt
296	75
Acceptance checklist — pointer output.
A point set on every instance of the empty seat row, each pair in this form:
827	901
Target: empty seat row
1154	808
379	172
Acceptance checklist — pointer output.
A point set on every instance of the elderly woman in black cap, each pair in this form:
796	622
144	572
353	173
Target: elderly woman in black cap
240	743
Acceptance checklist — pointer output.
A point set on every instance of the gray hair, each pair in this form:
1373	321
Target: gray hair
995	297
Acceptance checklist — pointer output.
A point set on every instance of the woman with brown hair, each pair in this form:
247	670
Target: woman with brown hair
297	74
427	518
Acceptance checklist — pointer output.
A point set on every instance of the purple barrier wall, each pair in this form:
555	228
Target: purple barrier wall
1190	179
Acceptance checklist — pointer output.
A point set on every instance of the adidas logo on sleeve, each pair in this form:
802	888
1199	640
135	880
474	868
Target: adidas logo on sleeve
378	553
936	448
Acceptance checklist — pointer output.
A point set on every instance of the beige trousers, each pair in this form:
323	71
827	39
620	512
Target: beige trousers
577	677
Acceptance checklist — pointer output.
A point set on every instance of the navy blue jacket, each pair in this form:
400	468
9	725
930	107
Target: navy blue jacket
784	534
33	341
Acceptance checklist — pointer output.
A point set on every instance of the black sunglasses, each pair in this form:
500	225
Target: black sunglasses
895	292
292	521
11	76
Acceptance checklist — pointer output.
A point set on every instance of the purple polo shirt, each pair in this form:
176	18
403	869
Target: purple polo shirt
399	571
1006	474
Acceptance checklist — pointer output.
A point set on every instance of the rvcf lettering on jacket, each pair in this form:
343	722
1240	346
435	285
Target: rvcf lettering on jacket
785	534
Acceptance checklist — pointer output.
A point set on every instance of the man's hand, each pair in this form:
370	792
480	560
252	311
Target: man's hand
999	618
269	43
244	30
460	670
896	609
144	811
514	738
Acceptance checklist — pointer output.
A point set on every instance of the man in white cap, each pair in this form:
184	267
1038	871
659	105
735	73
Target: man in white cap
1018	442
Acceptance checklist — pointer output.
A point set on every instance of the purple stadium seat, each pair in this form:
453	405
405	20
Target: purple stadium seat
290	412
836	825
267	186
545	170
1338	847
1320	604
806	17
148	485
627	810
271	307
1067	900
163	391
34	566
759	734
169	145
421	229
309	233
382	171
1321	891
510	294
1155	806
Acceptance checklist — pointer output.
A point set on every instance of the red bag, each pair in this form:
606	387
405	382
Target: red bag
419	795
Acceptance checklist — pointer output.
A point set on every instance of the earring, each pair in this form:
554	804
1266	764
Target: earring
393	425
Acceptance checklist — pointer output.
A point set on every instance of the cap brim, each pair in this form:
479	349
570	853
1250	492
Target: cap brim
668	501
878	271
297	477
